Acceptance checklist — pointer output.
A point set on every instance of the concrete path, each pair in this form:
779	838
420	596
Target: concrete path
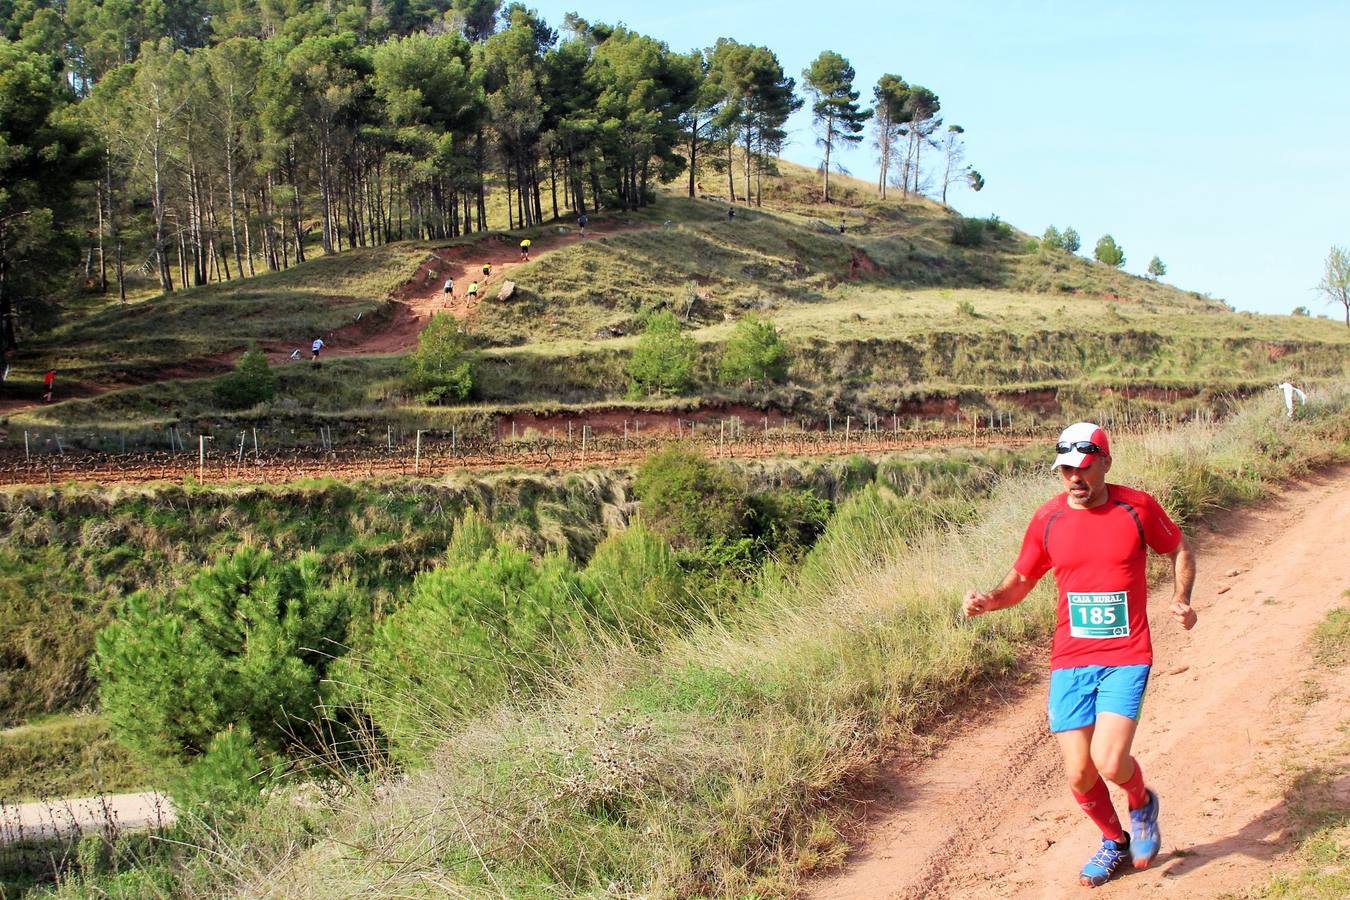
59	818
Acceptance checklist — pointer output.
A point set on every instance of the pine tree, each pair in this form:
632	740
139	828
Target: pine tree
835	110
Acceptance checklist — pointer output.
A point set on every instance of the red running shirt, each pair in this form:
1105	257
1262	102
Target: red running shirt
1098	556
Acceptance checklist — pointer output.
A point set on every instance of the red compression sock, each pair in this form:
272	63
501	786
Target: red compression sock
1097	804
1134	787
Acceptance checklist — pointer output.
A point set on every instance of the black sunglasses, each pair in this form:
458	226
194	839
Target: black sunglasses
1079	446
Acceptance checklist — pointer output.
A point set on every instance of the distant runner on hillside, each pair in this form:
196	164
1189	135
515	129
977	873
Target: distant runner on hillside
582	222
487	270
315	347
473	290
1289	392
448	289
525	250
47	381
1096	537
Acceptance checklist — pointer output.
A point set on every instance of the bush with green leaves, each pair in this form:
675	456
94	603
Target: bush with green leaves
998	229
1301	311
753	353
688	499
663	360
226	778
440	368
637	582
1109	252
245	645
1052	239
1070	240
252	382
1156	267
786	523
967	232
470	633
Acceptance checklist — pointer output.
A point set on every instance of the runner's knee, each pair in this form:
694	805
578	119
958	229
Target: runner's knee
1114	764
1082	774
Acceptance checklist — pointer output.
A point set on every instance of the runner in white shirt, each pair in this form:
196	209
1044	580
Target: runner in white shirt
315	348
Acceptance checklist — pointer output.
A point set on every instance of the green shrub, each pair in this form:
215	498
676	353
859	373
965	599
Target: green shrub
636	581
244	645
663	361
440	368
225	779
966	309
968	232
1301	311
1071	241
787	522
689	500
1052	239
754	352
470	633
998	229
252	382
473	536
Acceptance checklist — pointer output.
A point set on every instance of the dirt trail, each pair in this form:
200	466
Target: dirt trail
1229	721
421	297
416	300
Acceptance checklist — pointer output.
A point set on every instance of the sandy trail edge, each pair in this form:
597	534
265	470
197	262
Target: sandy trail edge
1228	719
57	818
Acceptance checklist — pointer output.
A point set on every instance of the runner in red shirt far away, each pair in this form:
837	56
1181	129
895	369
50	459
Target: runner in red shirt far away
1096	536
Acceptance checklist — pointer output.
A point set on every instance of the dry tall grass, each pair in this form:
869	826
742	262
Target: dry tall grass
709	767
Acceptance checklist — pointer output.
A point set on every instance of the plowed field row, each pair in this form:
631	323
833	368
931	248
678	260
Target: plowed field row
434	459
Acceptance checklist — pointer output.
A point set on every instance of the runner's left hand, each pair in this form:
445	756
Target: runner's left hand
1184	614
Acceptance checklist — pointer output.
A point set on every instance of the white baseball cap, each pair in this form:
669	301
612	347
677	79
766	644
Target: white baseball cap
1079	441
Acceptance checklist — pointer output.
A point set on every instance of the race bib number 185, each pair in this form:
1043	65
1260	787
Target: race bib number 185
1099	615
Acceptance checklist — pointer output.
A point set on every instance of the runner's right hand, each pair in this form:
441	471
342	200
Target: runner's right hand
977	602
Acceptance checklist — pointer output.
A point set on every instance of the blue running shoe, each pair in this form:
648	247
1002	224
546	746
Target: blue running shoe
1145	836
1105	862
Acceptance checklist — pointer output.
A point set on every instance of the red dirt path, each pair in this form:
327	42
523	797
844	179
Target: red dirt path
415	301
421	297
1235	711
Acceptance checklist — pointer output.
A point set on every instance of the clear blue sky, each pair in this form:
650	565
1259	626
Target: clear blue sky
1213	134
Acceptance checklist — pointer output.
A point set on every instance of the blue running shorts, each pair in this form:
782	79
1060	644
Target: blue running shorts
1077	695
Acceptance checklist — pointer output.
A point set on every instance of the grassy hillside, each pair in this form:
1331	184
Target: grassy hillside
877	319
709	765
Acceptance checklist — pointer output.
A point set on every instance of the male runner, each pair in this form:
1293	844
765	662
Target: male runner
525	250
473	290
1096	537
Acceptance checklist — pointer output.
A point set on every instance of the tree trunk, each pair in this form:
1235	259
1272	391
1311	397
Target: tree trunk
248	238
161	250
829	143
234	203
102	263
114	234
693	155
731	173
749	152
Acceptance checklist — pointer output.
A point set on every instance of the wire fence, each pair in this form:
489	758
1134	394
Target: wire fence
245	456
